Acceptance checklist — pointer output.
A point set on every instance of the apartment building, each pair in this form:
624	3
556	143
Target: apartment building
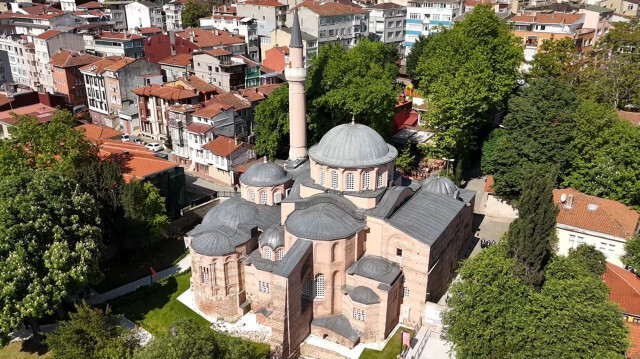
143	14
425	17
122	44
46	45
22	63
282	37
67	78
208	39
175	67
161	46
173	14
36	20
220	68
5	68
596	18
244	26
332	22
626	8
387	23
269	15
117	12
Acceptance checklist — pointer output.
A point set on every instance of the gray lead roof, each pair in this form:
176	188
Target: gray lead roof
376	268
338	324
322	221
265	174
364	295
296	33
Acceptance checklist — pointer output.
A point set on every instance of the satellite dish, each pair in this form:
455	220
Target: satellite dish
563	198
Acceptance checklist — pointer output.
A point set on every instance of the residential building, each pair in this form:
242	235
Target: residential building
626	8
67	78
5	68
387	23
624	290
282	37
91	5
22	62
599	222
596	18
37	20
277	58
115	44
243	26
333	22
269	15
225	9
143	13
116	10
72	5
179	118
223	156
425	18
173	13
159	47
48	44
220	68
207	122
42	114
215	39
345	251
148	31
174	67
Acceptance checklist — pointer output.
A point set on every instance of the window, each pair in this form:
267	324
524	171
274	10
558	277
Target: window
334	179
358	314
603	248
279	254
267	253
264	287
252	196
435	17
414	15
204	275
366	180
572	241
630	7
380	178
612	249
321	175
399	252
263	197
350	182
319	286
405	292
307	287
580	240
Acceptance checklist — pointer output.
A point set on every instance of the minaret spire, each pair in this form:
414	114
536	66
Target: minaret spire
296	75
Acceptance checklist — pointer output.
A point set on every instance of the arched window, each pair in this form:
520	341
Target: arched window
366	180
321	175
380	178
279	254
307	287
267	253
252	196
263	197
334	179
350	182
319	286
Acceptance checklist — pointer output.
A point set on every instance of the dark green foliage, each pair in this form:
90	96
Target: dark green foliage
531	237
494	314
92	334
143	204
193	11
557	59
632	256
272	124
406	161
591	258
414	55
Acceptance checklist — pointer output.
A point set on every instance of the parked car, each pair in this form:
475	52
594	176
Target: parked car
138	140
125	138
78	109
154	146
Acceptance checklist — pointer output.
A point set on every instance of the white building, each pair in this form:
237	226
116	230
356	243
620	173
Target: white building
38	23
387	22
425	17
143	14
21	55
49	44
246	27
173	13
599	222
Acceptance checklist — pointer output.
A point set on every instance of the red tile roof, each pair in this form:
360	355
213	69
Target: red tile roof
488	184
624	288
135	161
597	214
67	58
222	146
48	34
210	110
48	15
229	100
554	18
99	66
94	132
331	8
208	38
120	63
264	3
90	5
631	117
196	127
258	93
149	30
634	338
218	52
177	60
165	92
42	113
120	36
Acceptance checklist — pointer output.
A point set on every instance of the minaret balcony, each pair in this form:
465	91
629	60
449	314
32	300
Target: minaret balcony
295	74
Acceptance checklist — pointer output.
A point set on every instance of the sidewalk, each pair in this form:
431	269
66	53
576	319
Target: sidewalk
183	265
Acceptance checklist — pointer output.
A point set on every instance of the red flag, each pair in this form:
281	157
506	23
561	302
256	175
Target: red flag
154	274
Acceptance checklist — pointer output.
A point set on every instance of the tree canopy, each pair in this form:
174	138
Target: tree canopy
632	256
359	82
193	11
466	74
416	52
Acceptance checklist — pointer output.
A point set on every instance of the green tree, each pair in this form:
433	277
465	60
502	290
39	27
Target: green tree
49	244
193	11
632	250
414	55
532	235
592	258
272	124
557	59
614	80
406	161
467	73
143	204
92	334
188	340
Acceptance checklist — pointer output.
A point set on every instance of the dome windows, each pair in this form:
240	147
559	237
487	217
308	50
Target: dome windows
380	182
264	197
319	290
252	196
279	254
366	180
267	253
351	182
334	180
321	175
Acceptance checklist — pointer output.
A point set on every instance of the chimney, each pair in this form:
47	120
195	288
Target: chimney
192	36
172	37
570	201
235	138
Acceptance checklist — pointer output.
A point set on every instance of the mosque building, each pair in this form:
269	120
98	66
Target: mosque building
336	243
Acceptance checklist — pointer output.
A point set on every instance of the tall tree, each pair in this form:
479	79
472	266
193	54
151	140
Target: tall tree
557	58
92	334
466	73
272	124
414	55
532	236
193	11
592	259
49	244
143	204
632	256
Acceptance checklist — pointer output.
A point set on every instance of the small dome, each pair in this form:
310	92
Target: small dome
373	267
441	185
265	174
214	244
323	221
352	145
364	295
230	213
272	237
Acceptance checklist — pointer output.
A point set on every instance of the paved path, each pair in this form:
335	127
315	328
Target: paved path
183	265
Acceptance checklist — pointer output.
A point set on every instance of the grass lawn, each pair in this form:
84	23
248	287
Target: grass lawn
126	268
156	308
391	350
24	350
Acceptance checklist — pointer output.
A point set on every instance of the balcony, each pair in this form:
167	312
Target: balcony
295	74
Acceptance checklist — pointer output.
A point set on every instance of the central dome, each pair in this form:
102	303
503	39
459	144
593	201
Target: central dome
231	213
324	221
352	145
265	174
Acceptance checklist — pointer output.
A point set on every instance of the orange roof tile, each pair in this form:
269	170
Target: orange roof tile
94	132
120	63
624	288
218	52
634	339
120	36
4	100
488	184
597	214
554	18
42	113
196	127
67	58
331	8
631	117
210	110
208	38
48	34
98	67
135	161
90	5
222	146
177	60
264	3
149	30
229	100
165	92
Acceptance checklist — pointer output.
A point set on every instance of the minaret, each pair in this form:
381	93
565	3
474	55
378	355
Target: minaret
296	75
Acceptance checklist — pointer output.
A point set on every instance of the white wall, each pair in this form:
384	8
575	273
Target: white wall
571	237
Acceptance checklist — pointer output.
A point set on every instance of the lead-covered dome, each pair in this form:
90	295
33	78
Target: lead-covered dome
364	295
372	266
352	145
324	221
230	213
441	185
272	237
265	174
214	243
